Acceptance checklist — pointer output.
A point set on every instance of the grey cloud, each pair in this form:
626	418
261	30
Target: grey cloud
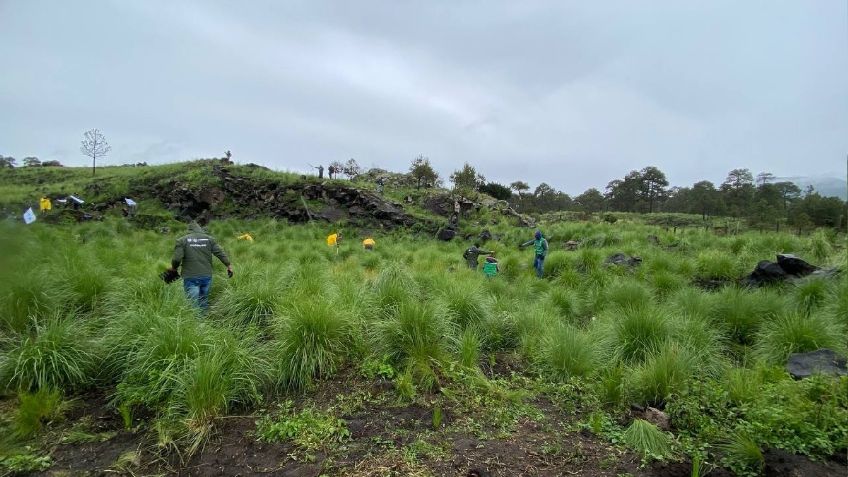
570	93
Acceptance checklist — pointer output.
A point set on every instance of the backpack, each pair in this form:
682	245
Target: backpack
467	254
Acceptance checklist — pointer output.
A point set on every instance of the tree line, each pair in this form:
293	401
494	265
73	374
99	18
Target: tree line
763	201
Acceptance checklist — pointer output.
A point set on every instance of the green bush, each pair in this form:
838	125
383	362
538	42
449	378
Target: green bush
632	334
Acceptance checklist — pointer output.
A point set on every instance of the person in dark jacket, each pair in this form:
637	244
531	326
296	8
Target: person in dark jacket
540	245
471	254
194	253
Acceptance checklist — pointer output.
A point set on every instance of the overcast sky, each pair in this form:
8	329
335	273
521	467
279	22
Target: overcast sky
573	93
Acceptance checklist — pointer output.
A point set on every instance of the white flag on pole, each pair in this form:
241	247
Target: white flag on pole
29	216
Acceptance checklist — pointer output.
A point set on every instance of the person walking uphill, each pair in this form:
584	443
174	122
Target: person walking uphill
540	244
472	253
194	252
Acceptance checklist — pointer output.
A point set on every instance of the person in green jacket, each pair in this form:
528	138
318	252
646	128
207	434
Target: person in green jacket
194	252
540	244
490	266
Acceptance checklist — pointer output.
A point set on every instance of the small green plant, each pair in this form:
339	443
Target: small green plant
650	442
34	410
25	463
309	428
742	455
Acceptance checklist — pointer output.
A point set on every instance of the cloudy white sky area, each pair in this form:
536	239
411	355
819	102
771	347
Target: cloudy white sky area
573	93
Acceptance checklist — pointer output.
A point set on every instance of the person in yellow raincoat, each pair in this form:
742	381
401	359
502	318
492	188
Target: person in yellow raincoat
368	243
334	239
45	204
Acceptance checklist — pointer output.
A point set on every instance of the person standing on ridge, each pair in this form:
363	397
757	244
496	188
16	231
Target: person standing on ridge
472	253
194	252
540	244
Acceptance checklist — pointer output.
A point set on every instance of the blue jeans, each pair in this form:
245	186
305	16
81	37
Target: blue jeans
197	290
539	264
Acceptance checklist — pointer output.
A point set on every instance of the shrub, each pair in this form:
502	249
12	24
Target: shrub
798	333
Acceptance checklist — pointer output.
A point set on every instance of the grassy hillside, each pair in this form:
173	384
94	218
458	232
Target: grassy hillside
402	361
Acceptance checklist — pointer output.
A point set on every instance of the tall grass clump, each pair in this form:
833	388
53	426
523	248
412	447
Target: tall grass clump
811	294
467	303
666	370
690	302
153	360
741	312
742	454
469	346
57	353
79	285
715	265
314	337
556	263
795	332
415	336
628	294
394	286
646	439
226	374
819	246
251	297
632	334
566	302
567	352
24	297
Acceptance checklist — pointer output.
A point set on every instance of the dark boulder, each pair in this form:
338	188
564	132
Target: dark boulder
485	235
622	259
794	265
446	235
787	268
765	273
821	361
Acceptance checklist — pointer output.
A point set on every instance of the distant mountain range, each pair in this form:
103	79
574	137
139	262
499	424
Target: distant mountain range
826	186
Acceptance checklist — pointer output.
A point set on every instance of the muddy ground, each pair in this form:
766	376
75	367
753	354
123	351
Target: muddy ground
535	437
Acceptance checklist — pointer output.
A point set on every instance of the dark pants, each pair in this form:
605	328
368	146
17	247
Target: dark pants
197	290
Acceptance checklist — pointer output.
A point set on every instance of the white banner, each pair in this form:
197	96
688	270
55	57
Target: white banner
29	216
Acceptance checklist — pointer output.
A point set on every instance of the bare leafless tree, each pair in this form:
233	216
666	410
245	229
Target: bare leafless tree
94	145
